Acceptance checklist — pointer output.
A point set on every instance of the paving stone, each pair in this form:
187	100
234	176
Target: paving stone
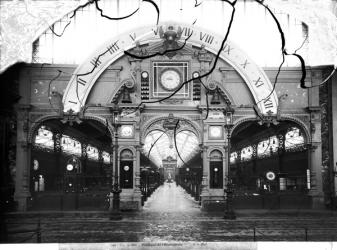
170	214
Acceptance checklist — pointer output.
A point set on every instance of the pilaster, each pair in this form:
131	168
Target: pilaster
23	151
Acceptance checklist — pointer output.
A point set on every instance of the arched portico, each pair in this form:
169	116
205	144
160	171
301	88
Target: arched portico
109	87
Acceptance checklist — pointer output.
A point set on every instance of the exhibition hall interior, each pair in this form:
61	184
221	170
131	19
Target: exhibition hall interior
158	120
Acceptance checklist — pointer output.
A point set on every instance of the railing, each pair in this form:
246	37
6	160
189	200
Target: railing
35	231
298	234
245	233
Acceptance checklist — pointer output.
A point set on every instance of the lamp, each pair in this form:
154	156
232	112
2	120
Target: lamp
126	96
229	212
216	97
114	210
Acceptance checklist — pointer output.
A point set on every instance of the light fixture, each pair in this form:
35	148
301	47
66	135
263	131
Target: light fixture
70	167
229	118
145	74
195	74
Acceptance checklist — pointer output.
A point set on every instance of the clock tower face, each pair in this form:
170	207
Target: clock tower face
170	79
127	131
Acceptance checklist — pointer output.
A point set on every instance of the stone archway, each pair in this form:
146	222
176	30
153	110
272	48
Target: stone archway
87	73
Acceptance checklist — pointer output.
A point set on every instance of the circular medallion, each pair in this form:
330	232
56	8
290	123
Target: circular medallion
170	79
145	74
216	169
211	85
126	168
215	131
270	176
70	167
195	74
126	131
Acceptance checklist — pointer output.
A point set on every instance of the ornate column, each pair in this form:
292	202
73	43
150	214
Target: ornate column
205	172
137	172
84	156
23	151
100	161
315	155
57	137
226	164
281	149
254	157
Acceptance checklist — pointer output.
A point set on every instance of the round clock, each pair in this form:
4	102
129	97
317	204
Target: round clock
270	175
215	131
126	131
170	79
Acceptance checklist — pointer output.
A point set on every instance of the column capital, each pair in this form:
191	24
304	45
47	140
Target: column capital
203	147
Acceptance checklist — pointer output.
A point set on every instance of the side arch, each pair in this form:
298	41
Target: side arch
39	121
297	121
301	124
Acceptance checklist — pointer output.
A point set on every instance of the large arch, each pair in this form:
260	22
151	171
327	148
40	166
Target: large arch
146	128
87	73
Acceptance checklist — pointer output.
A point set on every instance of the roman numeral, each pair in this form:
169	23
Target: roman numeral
258	82
187	31
133	37
268	103
206	38
245	64
227	48
113	47
81	81
95	62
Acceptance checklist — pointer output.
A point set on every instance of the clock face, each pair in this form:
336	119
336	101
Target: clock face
170	79
215	131
127	130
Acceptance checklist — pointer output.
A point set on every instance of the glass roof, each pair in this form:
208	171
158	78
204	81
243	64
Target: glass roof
44	138
161	144
293	138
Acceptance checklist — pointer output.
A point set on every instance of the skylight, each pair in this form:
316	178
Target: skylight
161	145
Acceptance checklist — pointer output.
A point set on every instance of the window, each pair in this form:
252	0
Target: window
126	169
216	169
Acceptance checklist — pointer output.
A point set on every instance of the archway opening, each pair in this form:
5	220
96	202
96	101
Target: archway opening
70	166
171	156
269	166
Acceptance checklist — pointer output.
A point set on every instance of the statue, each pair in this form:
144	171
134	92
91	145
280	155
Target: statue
170	36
